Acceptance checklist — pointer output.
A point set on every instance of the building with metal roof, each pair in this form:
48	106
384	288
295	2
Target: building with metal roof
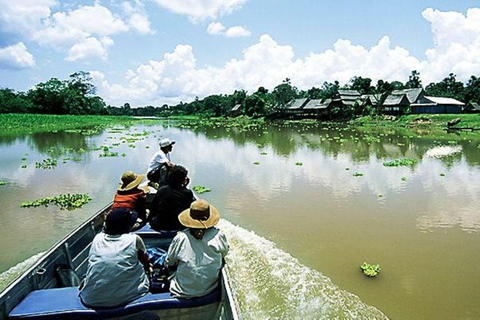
428	104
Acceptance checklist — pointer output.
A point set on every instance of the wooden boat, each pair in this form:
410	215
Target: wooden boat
41	292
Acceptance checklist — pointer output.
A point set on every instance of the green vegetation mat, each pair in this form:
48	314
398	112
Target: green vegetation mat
13	123
64	201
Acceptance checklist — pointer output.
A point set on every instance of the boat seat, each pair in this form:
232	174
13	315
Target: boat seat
147	232
64	303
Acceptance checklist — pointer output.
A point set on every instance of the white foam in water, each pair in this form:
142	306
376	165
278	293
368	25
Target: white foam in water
443	151
11	274
271	284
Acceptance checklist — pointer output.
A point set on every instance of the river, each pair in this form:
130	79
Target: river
303	206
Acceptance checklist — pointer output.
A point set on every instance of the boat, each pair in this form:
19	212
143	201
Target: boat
48	290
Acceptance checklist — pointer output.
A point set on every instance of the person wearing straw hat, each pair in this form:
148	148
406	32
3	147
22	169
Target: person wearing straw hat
117	264
197	252
130	196
160	164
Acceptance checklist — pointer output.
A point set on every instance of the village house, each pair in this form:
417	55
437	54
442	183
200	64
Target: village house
472	107
428	104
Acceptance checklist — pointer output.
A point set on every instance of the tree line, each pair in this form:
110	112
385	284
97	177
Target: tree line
76	96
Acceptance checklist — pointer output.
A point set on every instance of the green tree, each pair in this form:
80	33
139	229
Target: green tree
413	80
448	87
284	93
13	102
472	90
362	85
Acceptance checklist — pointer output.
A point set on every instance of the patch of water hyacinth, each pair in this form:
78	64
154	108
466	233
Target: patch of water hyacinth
401	162
201	189
64	201
370	270
48	163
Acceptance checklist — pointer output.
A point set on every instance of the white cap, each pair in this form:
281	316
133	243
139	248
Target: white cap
165	142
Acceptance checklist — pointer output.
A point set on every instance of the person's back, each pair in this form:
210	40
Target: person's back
170	200
199	262
115	275
197	253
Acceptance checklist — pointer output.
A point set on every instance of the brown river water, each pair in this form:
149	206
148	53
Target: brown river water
303	206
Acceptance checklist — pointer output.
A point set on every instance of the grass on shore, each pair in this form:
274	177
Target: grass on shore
422	120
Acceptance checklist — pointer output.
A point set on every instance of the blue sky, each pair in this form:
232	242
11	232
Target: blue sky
165	51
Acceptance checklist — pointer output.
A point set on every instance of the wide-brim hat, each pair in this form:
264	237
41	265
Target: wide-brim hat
130	180
200	215
165	142
120	221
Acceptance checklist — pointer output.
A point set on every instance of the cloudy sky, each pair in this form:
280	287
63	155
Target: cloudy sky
167	51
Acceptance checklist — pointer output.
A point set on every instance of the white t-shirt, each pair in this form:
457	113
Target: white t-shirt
198	262
157	159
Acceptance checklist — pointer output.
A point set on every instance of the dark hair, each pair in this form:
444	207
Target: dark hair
177	176
120	221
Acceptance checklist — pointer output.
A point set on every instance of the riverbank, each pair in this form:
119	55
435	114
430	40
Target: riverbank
433	121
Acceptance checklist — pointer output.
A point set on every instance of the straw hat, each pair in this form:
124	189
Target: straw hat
165	142
201	215
130	180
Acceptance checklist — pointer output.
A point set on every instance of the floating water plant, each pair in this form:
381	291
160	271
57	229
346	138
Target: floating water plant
48	163
108	153
263	153
2	183
401	162
357	174
370	270
64	201
24	166
442	174
298	163
201	189
404	178
256	163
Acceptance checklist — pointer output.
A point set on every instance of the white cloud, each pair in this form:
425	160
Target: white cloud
233	32
16	57
237	31
456	44
266	63
82	33
66	29
215	28
138	19
202	9
24	16
88	48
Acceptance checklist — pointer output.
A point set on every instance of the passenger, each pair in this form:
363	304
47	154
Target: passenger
197	252
117	264
160	164
170	200
130	196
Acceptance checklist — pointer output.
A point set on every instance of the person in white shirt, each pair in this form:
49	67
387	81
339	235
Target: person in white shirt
160	164
117	264
197	253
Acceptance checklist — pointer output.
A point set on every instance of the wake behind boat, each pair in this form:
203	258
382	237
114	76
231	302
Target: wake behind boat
45	290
